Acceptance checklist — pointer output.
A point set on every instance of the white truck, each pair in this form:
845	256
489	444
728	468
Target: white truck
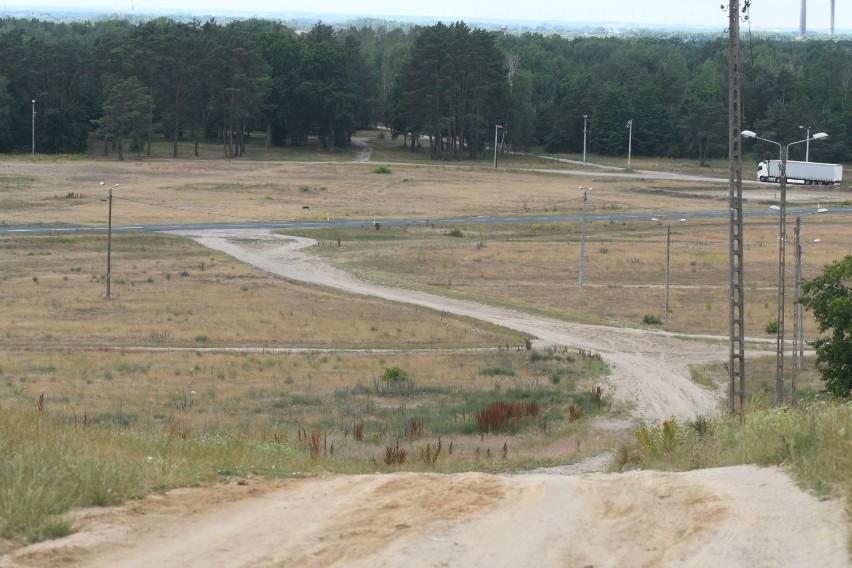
801	172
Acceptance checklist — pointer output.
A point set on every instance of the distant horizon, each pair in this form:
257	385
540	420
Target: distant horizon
666	14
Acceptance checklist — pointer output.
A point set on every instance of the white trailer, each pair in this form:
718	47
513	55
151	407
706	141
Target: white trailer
801	172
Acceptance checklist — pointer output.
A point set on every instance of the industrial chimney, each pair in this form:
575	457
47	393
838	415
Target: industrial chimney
803	18
831	31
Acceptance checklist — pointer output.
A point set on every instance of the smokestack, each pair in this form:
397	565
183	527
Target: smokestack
831	31
803	18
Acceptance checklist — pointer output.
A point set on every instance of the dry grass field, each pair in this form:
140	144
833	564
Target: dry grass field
535	267
172	293
196	344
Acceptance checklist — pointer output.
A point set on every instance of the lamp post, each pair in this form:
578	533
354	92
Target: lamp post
497	128
109	244
629	126
808	143
583	233
585	130
34	113
784	152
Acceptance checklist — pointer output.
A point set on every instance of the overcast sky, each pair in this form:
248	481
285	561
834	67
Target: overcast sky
765	14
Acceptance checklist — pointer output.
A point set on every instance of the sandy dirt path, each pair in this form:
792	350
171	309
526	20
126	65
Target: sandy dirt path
649	370
738	516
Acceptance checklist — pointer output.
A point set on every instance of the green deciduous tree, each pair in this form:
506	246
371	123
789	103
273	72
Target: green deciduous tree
829	296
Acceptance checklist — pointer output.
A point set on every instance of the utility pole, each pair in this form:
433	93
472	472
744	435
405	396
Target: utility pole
668	256
629	126
782	270
798	320
585	130
736	284
34	113
109	244
808	143
798	312
583	234
497	127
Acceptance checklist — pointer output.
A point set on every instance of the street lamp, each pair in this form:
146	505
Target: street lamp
497	128
629	126
808	143
783	152
583	233
585	130
34	113
109	244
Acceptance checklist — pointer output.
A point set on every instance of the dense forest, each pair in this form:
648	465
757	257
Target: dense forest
119	86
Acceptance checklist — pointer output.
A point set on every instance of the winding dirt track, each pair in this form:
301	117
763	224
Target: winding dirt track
737	516
649	370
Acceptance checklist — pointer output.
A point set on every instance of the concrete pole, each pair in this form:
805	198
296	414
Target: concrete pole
496	128
782	250
629	141
109	248
583	234
668	257
797	319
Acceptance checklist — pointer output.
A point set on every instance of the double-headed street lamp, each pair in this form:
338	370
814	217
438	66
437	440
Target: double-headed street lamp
109	243
583	233
783	152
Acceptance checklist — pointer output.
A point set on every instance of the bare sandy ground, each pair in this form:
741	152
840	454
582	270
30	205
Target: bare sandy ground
737	516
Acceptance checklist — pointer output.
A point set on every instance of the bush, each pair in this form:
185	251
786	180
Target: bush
652	320
394	375
381	170
500	416
771	327
455	233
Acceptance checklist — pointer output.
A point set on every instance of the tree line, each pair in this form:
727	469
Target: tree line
112	83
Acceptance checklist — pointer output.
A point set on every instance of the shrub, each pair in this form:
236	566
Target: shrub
395	455
771	327
652	320
455	233
394	375
575	412
381	170
494	371
499	416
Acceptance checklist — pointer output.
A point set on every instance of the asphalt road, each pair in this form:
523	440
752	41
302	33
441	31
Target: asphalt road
662	216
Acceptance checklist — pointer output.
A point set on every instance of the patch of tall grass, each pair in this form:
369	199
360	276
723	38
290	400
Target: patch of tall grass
813	443
51	466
